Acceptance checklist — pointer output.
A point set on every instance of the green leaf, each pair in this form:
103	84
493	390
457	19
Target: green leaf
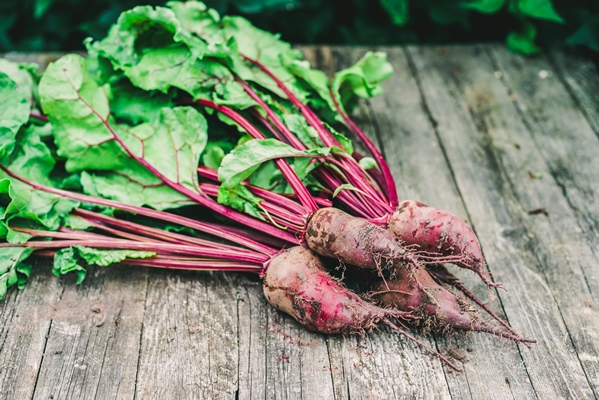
11	264
587	34
244	160
524	41
142	29
67	260
127	190
240	198
265	48
89	138
21	202
104	258
367	163
14	113
25	75
397	10
361	80
76	223
345	186
74	259
484	6
134	105
343	140
23	274
298	125
541	9
213	156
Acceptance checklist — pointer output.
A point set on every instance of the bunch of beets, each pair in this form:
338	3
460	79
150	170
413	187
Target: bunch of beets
188	141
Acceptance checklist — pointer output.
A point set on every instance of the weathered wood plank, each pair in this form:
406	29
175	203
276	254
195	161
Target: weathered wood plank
512	243
422	173
554	128
189	341
25	319
581	79
93	342
561	132
277	357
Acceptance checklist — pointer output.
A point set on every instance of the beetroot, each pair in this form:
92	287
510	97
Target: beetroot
331	232
437	308
439	233
297	283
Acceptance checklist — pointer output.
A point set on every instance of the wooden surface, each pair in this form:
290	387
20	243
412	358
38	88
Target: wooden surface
464	128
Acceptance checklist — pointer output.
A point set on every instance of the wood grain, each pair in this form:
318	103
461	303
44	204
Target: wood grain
464	128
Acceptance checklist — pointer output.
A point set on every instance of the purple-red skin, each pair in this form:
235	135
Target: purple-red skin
333	233
297	283
439	233
416	291
436	308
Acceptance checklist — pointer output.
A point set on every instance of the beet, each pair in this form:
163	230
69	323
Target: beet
441	234
437	309
297	283
331	232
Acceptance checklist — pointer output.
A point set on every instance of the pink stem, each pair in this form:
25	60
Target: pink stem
121	244
296	184
173	263
374	152
148	231
211	229
297	222
39	117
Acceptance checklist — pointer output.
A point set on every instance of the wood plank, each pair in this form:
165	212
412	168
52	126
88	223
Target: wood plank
189	340
581	79
514	244
421	172
93	342
560	131
557	128
25	319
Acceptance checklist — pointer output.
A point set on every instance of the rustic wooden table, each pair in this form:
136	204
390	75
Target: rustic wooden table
465	129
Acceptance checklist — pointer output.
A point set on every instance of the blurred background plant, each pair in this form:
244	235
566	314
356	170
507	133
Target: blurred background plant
524	25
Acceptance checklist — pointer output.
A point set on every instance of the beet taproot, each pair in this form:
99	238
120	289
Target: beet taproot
297	283
441	234
333	233
437	308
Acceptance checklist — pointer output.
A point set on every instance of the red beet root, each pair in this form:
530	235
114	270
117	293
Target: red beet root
297	283
439	233
438	309
332	233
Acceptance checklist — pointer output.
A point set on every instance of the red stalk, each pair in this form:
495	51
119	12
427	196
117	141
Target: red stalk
148	231
182	264
374	152
327	138
211	229
296	184
122	244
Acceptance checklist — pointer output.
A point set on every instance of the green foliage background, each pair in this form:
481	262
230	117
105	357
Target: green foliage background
36	25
